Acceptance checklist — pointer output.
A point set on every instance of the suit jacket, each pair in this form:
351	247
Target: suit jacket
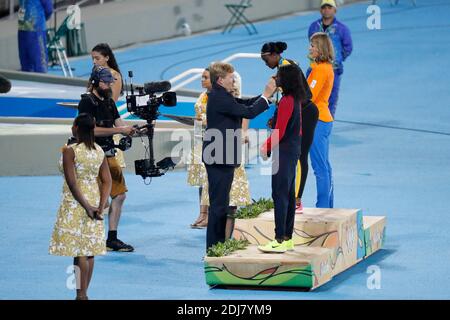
223	139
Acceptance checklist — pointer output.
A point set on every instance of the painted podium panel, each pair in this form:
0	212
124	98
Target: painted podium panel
304	267
374	233
327	242
340	230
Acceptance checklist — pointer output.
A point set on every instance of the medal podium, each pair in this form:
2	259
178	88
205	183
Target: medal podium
327	242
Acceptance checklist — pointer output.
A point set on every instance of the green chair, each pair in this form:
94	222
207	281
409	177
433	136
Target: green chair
76	42
238	17
56	46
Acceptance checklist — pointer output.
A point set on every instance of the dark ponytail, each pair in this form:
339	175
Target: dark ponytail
105	50
85	124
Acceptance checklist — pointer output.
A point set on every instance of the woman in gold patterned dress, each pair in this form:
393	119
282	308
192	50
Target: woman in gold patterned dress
79	230
196	168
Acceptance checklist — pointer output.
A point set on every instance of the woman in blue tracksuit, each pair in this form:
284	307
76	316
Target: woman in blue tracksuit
285	145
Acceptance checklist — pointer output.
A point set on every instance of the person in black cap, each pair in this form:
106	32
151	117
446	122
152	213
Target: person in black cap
98	102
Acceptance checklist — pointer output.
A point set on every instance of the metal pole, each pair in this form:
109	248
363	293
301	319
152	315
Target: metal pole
11	9
54	15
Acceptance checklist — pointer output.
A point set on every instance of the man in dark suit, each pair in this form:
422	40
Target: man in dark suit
222	142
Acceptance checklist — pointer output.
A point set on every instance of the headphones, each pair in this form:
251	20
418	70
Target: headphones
95	81
95	76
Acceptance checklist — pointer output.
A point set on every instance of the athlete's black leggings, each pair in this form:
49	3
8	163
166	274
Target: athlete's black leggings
310	115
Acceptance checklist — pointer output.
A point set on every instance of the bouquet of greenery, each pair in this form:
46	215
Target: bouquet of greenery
225	248
255	209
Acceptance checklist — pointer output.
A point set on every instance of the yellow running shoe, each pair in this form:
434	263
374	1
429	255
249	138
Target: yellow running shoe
289	244
274	246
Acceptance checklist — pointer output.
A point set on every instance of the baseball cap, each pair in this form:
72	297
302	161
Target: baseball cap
103	74
330	3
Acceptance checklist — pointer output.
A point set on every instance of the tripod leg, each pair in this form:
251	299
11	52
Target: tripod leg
234	19
61	63
248	22
237	19
230	22
67	63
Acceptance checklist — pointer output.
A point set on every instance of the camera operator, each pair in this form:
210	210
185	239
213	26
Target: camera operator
99	103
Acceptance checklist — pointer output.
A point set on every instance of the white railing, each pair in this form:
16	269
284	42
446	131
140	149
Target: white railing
198	71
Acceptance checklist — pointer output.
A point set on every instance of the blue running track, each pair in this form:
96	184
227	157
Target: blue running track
390	152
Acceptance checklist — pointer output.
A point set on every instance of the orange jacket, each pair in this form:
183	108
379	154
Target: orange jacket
320	81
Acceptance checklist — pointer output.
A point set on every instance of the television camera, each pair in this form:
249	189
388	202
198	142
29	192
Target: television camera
146	108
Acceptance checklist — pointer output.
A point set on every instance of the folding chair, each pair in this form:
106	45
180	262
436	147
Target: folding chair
237	16
55	45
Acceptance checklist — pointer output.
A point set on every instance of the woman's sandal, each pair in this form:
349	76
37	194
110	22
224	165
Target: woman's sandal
201	222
